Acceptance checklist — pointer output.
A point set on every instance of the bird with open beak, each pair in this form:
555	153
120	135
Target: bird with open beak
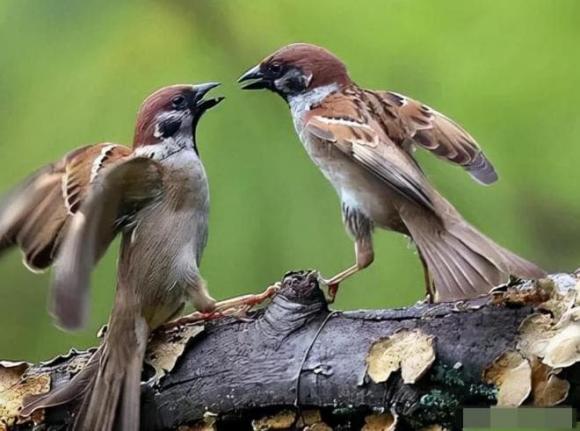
156	196
362	141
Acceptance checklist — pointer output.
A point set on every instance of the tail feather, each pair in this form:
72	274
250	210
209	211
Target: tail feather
463	262
108	388
67	393
114	399
455	279
504	259
131	402
482	274
458	272
438	272
98	409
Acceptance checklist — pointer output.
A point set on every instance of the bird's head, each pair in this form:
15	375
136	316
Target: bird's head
172	114
296	69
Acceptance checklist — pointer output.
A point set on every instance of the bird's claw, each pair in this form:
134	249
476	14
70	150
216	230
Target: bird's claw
328	287
237	308
240	311
193	318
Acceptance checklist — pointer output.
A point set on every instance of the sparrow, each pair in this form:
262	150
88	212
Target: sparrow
363	142
156	196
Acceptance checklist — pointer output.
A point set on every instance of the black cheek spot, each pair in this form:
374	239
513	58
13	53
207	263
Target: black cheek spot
168	128
296	85
293	82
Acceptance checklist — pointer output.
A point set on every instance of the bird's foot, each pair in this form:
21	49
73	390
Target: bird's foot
237	308
329	287
190	319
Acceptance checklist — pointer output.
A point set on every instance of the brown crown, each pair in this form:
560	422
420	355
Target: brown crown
324	66
159	101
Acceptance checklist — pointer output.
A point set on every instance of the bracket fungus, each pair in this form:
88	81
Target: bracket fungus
381	422
165	348
411	351
14	386
512	374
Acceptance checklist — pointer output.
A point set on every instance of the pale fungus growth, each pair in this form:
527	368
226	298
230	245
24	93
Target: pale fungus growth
14	386
165	348
410	351
547	388
381	422
512	374
563	350
282	420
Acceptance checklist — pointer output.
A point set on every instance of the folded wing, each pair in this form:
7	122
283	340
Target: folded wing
374	152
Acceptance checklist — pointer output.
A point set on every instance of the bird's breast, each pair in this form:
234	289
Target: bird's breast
356	187
169	235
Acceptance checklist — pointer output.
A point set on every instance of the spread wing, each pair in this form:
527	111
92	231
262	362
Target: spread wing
374	151
115	197
34	215
405	118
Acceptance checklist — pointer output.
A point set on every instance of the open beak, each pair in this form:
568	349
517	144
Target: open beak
201	90
255	75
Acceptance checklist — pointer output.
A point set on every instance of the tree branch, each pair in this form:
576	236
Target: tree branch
296	356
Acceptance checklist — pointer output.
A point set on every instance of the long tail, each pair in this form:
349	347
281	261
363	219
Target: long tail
108	388
462	262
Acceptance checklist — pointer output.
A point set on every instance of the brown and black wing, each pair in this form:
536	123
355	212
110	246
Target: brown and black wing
373	151
34	214
116	195
407	119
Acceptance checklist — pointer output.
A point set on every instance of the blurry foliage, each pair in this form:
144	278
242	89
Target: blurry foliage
73	73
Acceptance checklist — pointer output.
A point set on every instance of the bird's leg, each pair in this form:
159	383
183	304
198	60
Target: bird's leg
429	288
198	293
236	307
333	282
363	249
247	301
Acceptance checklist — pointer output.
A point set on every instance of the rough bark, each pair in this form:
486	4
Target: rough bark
297	355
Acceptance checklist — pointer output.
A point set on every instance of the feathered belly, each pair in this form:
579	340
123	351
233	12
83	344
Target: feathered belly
356	187
161	265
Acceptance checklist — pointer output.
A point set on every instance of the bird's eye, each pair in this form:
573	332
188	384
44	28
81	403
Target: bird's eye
275	68
178	102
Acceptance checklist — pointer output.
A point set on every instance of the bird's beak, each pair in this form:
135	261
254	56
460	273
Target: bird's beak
257	77
201	90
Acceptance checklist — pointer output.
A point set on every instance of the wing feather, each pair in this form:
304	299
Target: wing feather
374	152
119	191
34	215
429	129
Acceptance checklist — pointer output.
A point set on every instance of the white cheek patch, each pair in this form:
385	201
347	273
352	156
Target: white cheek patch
157	132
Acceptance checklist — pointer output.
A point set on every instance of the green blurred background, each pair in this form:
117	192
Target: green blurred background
73	73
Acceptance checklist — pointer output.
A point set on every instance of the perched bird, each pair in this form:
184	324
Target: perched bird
362	141
156	195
